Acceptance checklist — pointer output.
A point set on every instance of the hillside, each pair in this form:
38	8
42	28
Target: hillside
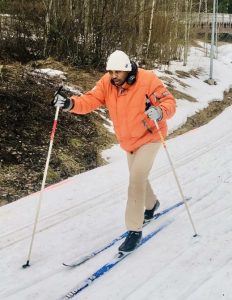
87	211
27	117
26	123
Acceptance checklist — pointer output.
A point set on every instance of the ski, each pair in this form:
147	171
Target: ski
85	258
111	264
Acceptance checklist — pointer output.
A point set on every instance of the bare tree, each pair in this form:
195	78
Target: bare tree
141	26
48	6
84	32
150	26
188	13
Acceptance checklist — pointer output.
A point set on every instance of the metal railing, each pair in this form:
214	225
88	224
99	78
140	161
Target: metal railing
206	18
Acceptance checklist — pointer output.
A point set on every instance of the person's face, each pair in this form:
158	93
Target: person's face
118	77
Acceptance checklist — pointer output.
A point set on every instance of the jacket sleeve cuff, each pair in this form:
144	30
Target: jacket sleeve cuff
68	105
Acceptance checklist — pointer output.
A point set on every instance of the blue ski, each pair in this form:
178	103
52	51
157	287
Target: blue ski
112	263
85	258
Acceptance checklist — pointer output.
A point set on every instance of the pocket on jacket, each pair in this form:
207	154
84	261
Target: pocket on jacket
139	126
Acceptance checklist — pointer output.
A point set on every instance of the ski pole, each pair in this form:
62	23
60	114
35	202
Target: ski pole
175	175
27	264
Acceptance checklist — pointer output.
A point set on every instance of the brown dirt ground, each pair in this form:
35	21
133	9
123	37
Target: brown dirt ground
26	119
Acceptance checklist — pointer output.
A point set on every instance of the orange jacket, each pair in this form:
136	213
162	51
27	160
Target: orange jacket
132	126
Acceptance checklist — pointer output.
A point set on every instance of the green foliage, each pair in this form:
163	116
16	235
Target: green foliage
223	6
52	176
230	8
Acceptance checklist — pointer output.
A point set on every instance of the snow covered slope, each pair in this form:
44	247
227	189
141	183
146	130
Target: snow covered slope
86	211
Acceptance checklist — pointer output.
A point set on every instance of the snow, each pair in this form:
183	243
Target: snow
197	87
84	212
50	72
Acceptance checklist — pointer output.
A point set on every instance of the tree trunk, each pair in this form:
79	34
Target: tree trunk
48	6
141	29
206	33
186	32
86	18
150	27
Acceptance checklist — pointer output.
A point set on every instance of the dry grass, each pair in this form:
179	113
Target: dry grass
83	80
26	121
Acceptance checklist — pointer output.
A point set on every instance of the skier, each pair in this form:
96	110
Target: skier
124	90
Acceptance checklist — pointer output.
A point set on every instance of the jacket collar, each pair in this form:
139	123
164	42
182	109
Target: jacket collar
125	86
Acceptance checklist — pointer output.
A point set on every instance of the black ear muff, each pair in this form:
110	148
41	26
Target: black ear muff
131	78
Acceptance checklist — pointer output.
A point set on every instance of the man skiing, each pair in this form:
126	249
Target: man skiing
124	90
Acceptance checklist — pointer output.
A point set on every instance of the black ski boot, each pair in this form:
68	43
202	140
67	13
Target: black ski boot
149	213
131	242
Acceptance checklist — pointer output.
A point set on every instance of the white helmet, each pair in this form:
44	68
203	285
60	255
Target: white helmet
118	61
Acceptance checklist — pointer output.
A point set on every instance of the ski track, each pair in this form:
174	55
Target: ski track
189	254
56	275
209	254
59	216
222	291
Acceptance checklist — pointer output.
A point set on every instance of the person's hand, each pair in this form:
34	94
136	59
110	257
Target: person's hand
155	113
61	100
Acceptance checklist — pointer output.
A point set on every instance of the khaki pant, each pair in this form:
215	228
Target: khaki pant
140	193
